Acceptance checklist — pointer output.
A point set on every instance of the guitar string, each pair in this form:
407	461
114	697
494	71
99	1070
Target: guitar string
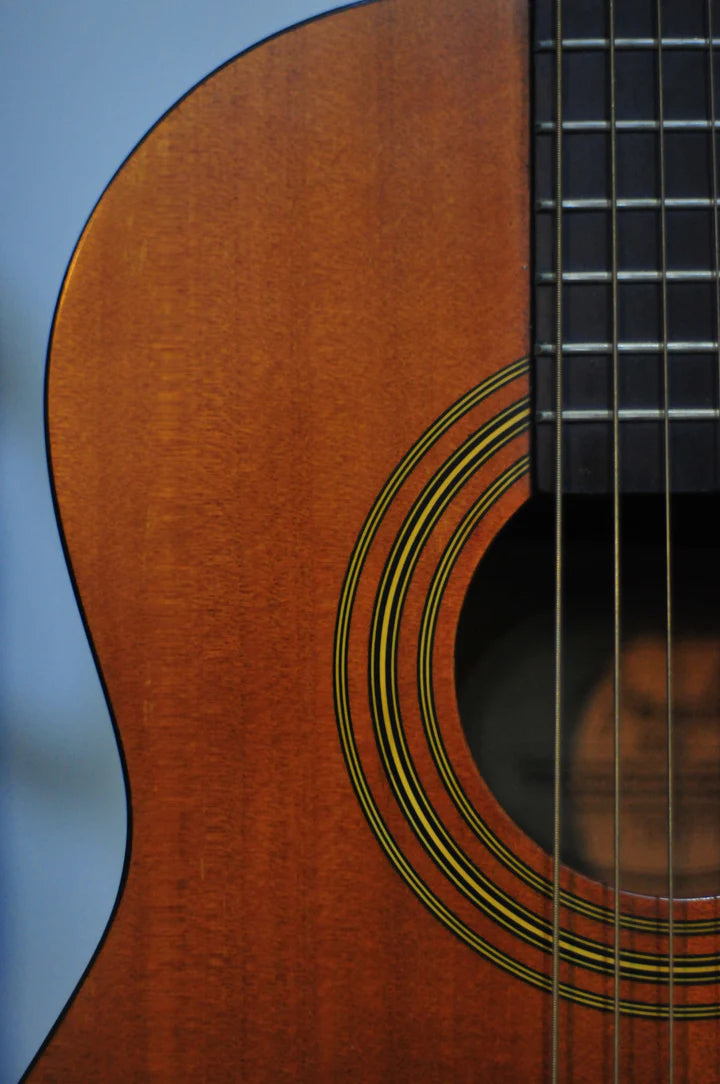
714	181
557	749
714	191
616	543
616	510
668	552
714	168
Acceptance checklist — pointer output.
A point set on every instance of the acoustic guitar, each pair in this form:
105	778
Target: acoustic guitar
382	404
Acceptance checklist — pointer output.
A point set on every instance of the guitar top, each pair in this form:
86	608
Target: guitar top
288	413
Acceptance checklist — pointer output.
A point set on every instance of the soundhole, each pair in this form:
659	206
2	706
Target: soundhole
505	677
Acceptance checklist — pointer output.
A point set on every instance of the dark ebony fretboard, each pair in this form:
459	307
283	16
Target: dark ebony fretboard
667	296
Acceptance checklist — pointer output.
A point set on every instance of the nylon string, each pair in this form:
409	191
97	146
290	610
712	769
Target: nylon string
668	554
616	547
714	166
557	749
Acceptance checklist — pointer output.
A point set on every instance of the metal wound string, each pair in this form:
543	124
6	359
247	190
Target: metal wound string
557	745
668	551
616	543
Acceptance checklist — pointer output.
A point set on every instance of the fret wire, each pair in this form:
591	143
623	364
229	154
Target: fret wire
632	348
668	586
557	742
548	277
632	414
582	44
635	204
616	550
689	125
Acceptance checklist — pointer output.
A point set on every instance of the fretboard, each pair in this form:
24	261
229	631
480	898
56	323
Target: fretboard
639	258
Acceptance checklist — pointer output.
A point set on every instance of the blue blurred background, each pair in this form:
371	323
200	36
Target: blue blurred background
80	83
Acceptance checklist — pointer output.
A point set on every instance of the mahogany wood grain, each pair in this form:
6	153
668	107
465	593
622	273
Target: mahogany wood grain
298	270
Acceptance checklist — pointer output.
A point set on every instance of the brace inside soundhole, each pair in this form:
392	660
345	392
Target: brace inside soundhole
505	682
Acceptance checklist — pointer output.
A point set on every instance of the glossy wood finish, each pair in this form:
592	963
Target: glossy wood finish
297	272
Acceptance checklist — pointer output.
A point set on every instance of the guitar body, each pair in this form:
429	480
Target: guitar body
290	316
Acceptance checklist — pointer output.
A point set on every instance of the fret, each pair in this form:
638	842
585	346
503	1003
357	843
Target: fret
548	127
545	348
635	204
547	45
550	278
633	414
